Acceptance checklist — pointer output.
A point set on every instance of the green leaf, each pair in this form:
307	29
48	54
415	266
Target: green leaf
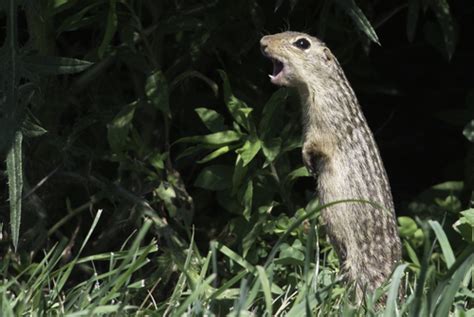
469	131
295	174
247	200
237	108
110	29
468	215
53	65
407	227
425	202
156	89
61	5
239	174
465	225
58	3
220	151
443	242
271	148
291	255
446	291
240	111
167	194
225	292
249	150
411	253
31	128
235	257
157	160
15	186
211	119
359	18
442	11
102	310
118	129
215	177
218	138
272	108
251	238
391	308
192	150
77	19
451	203
267	294
451	186
419	296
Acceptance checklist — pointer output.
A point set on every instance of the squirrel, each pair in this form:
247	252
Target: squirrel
339	150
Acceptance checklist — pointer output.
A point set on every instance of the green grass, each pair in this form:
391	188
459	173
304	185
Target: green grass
116	283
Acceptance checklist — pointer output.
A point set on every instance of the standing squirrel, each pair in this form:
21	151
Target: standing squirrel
340	152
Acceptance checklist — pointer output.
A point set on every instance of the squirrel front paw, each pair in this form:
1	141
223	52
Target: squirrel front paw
313	159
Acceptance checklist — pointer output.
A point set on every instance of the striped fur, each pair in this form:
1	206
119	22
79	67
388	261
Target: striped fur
340	151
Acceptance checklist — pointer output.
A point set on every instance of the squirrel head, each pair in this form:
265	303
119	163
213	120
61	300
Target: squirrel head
298	58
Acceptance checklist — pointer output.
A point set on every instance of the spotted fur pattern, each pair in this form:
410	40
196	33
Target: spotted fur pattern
340	151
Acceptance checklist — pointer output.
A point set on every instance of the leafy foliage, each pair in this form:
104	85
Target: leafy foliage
155	172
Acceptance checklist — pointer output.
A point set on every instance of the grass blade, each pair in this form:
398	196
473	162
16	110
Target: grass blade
390	309
235	257
69	267
15	186
194	295
226	286
443	242
420	283
264	281
411	253
446	291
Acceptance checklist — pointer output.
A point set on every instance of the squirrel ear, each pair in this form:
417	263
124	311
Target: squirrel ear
327	54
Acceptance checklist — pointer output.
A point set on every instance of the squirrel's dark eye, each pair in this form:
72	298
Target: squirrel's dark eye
302	44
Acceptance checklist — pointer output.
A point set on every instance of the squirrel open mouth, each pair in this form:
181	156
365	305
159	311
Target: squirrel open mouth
277	67
277	70
277	75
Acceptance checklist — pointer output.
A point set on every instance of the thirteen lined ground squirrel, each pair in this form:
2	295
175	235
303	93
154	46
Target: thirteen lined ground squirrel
340	151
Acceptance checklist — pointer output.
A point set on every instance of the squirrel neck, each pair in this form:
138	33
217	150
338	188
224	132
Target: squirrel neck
330	107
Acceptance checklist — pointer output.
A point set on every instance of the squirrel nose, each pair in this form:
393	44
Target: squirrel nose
264	44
